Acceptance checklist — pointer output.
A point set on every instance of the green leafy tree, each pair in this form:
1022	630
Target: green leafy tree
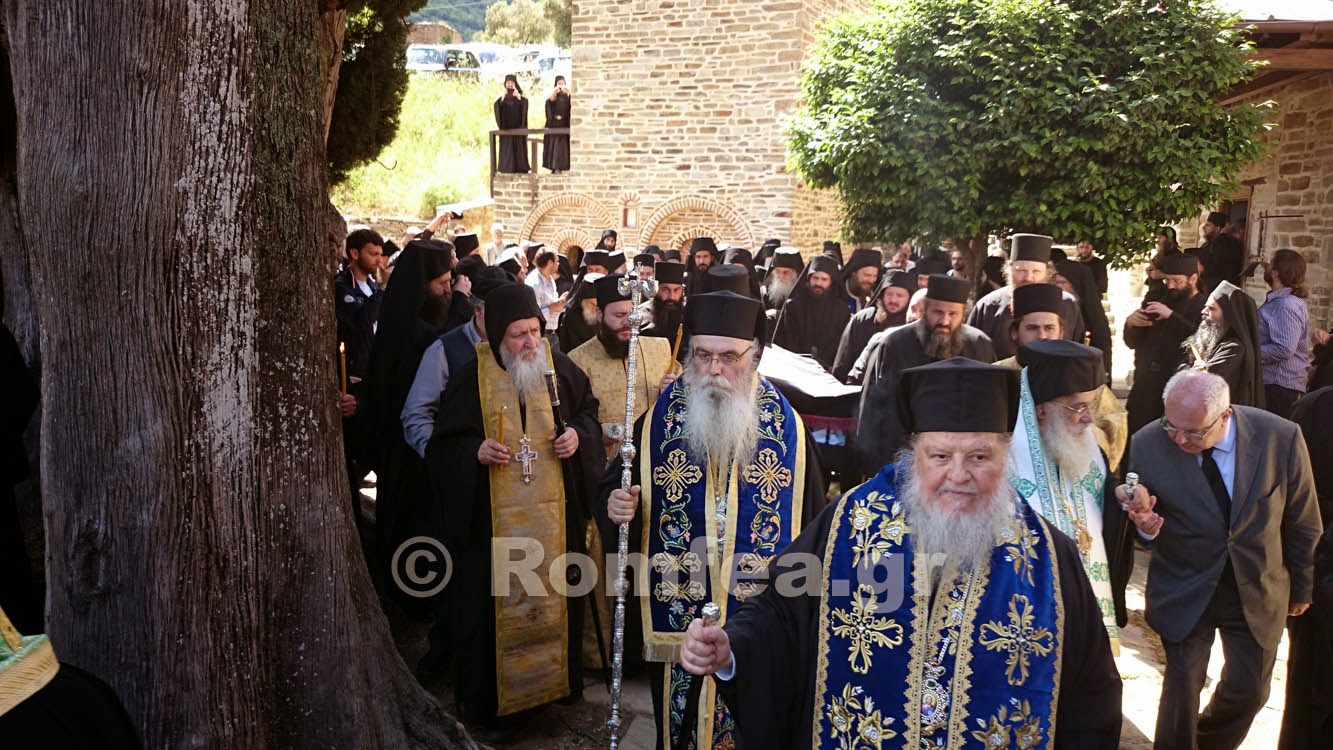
954	118
371	82
559	13
515	23
467	16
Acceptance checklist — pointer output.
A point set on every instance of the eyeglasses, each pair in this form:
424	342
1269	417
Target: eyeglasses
1079	409
1172	430
706	358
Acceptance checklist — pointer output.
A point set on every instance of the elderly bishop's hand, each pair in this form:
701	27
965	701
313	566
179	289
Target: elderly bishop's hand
706	650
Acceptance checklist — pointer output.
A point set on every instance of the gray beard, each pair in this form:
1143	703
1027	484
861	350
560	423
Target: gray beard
1072	454
966	539
940	346
721	426
779	291
528	376
1205	339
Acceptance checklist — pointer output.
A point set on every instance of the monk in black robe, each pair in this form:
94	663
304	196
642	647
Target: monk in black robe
1029	263
555	146
511	113
1156	333
869	667
413	314
812	320
463	455
703	254
1226	344
667	307
891	298
938	334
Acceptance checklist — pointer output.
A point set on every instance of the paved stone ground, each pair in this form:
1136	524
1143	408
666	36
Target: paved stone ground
1141	666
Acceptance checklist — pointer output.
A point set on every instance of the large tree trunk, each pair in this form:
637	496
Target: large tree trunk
202	557
332	29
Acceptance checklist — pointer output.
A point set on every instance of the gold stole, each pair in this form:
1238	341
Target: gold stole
531	627
608	379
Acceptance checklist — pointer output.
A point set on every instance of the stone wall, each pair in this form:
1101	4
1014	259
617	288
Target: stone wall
676	128
1296	178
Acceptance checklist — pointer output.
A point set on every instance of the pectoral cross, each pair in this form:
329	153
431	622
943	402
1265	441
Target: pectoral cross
527	455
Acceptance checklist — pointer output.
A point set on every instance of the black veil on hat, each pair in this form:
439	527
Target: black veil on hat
606	233
833	250
863	257
1242	321
788	257
1057	367
598	257
730	278
894	277
932	263
517	86
466	243
504	305
739	256
645	259
825	264
958	395
1217	219
489	279
608	290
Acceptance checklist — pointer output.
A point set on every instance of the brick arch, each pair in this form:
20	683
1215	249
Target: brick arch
681	240
564	239
739	227
582	201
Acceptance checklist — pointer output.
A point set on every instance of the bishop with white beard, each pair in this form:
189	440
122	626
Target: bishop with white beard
726	477
927	607
1058	468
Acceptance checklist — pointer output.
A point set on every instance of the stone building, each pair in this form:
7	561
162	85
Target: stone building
676	130
1286	200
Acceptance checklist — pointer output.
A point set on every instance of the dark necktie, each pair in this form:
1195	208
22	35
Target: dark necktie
1215	483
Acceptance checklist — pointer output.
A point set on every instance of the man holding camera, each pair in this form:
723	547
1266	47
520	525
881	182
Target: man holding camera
1156	331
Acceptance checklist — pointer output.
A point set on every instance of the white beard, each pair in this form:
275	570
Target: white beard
969	539
527	375
722	421
1072	454
779	291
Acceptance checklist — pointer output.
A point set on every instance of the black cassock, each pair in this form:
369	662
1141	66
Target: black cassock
511	112
1157	356
813	504
773	642
812	325
555	146
856	335
463	486
879	433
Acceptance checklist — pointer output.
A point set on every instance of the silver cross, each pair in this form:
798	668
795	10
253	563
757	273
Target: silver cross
527	455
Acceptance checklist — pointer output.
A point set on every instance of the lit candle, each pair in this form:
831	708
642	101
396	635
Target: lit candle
501	436
342	366
675	350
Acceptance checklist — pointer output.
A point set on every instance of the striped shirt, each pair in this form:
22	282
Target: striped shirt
1284	340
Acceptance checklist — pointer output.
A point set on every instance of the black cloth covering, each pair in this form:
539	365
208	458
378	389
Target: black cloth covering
462	486
1157	356
879	432
511	113
20	597
1235	358
74	711
1096	327
402	506
1222	259
773	643
1307	717
810	324
573	330
869	321
993	313
555	146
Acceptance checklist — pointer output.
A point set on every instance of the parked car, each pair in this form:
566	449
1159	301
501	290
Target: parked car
450	59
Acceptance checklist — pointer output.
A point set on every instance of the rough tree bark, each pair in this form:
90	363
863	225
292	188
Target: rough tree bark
170	163
332	28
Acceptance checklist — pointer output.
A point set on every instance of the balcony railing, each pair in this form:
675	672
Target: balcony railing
534	164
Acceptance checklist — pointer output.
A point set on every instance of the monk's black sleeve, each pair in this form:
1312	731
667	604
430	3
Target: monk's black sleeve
1089	711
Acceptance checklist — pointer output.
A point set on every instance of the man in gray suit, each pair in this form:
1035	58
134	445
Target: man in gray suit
1227	500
